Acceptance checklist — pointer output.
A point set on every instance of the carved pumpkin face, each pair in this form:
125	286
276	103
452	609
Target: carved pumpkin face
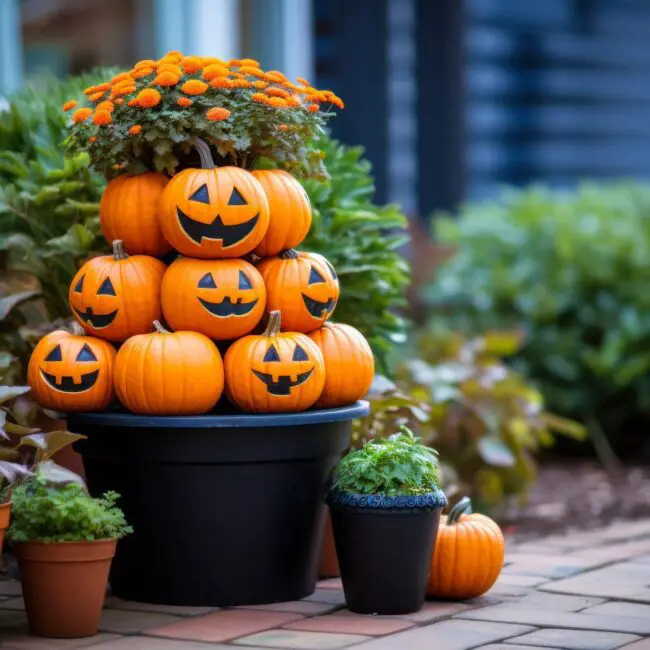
72	373
303	286
117	296
223	299
274	372
214	212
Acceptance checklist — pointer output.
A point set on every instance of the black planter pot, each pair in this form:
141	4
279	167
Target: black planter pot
384	546
227	509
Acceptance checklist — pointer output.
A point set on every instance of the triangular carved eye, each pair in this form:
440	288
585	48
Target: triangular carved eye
55	354
201	195
271	355
236	198
207	282
80	284
244	282
315	277
299	354
106	289
86	354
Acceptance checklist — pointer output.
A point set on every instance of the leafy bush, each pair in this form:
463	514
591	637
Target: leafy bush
483	418
571	270
361	240
147	117
398	465
64	513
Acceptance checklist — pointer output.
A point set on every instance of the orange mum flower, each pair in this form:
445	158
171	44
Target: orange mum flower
119	101
293	101
69	105
337	101
174	54
235	62
303	81
105	106
247	69
81	115
135	129
102	118
249	62
283	127
145	63
260	84
276	76
143	72
134	102
95	97
292	86
313	108
191	64
165	79
127	81
221	82
241	83
277	92
91	90
260	98
277	102
123	76
184	102
176	70
209	60
92	139
215	70
147	98
217	114
194	87
126	90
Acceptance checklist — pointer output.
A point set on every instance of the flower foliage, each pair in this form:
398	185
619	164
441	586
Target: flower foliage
393	466
235	106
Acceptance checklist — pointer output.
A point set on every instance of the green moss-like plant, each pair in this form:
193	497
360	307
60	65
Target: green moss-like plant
394	466
46	512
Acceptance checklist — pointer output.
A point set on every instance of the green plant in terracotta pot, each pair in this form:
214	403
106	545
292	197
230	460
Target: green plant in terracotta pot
385	501
64	540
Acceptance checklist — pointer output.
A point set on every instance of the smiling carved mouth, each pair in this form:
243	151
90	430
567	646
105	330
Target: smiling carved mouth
98	321
229	235
227	308
316	308
67	384
284	384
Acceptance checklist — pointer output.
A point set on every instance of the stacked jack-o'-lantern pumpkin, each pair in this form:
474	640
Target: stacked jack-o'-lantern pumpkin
270	309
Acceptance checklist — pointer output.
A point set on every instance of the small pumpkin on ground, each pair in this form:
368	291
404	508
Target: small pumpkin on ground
169	373
349	364
290	212
214	212
468	554
223	299
274	372
129	211
72	372
303	286
117	296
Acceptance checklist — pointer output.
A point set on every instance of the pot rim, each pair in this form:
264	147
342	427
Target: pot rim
429	501
65	551
227	421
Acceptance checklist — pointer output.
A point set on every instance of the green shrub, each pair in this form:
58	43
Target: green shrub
571	270
45	512
399	465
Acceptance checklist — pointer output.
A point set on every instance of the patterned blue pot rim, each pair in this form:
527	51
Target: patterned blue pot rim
429	501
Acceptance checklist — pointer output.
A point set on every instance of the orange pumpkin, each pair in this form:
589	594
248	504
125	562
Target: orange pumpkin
165	373
129	211
468	554
223	299
303	286
274	372
290	212
214	212
349	364
117	296
72	372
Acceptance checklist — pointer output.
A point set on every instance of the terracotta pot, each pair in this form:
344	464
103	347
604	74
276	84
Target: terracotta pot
64	584
329	561
5	512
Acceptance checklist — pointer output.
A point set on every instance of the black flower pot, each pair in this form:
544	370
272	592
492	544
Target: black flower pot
384	545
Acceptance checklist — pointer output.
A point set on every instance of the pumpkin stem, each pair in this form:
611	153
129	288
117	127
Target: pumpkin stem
289	254
159	328
463	507
203	149
118	250
274	324
76	329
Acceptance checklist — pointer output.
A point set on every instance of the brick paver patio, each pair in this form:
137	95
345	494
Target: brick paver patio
585	591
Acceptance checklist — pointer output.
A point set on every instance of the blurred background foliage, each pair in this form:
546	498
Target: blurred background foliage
570	269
